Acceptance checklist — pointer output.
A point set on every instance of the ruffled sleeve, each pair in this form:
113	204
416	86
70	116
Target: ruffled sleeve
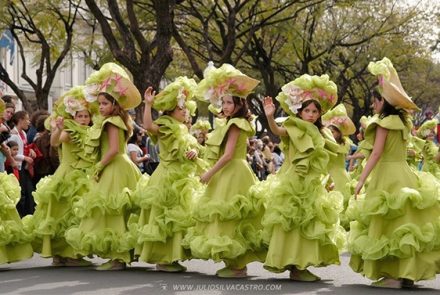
308	152
92	142
392	122
216	138
78	135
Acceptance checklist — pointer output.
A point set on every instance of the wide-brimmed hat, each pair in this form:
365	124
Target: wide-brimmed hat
426	128
389	84
338	118
222	81
178	93
200	126
114	80
307	87
72	101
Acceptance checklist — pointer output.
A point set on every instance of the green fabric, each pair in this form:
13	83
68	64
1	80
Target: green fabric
104	210
227	215
301	222
396	232
167	197
14	238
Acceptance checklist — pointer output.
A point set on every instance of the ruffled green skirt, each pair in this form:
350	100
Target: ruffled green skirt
397	234
165	202
14	239
301	224
104	213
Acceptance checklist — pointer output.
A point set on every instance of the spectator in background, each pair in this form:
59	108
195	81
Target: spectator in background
134	150
49	161
32	130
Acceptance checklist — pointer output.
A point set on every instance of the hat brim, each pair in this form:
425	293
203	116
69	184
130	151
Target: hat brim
397	97
245	84
347	129
131	97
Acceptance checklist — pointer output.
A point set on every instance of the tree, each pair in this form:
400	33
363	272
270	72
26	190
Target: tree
47	29
138	35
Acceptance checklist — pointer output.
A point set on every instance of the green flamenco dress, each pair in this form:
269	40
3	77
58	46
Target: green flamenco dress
228	218
55	196
104	210
165	201
301	223
340	177
15	241
415	152
396	233
429	152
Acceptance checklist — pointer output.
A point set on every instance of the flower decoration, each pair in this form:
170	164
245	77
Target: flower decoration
114	80
427	128
225	80
306	87
338	117
178	93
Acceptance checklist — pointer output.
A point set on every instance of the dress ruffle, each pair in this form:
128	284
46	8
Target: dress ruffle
14	238
166	198
299	209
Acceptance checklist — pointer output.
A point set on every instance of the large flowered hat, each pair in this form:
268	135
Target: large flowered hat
338	117
307	87
72	101
222	81
200	126
389	84
178	93
427	128
114	80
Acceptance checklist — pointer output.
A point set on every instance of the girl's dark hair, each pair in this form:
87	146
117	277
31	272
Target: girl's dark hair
388	109
341	139
36	114
243	112
305	104
119	111
39	124
20	115
11	143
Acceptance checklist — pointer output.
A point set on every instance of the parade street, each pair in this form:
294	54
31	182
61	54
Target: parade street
36	276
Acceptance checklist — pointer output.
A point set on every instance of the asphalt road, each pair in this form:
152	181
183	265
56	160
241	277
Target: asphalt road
36	276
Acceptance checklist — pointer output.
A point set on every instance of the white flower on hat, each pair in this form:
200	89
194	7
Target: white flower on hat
295	97
91	92
181	97
73	105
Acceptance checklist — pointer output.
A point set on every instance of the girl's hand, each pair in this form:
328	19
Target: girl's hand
206	177
269	107
57	123
191	155
358	188
32	154
149	96
28	160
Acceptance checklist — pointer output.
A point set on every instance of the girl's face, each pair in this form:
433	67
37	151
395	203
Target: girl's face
180	114
82	117
336	133
7	115
228	106
24	123
310	113
14	151
105	106
377	105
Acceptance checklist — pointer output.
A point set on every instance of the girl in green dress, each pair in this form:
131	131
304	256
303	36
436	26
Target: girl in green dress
395	238
56	194
105	209
228	217
166	199
301	223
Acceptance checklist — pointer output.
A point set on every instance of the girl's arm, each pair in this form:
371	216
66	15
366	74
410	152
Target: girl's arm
269	110
136	159
379	144
231	141
58	135
148	118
